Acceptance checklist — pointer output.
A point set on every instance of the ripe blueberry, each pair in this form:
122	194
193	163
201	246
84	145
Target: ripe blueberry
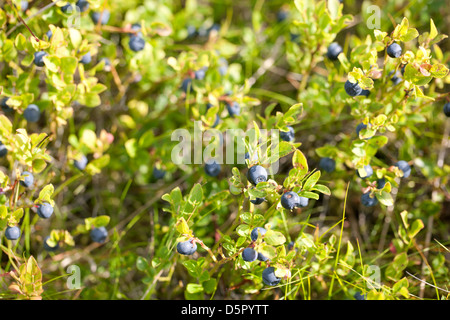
83	5
404	167
39	58
282	15
359	296
256	174
365	93
158	174
262	257
256	232
107	66
200	73
86	58
367	200
303	202
99	234
191	31
49	34
369	172
186	247
136	43
104	16
395	78
290	200
447	109
394	50
3	150
67	8
4	106
381	183
258	201
288	135
12	233
233	108
186	85
81	163
290	245
47	247
249	255
334	49
327	164
27	179
212	168
352	89
45	210
359	127
269	277
223	66
32	113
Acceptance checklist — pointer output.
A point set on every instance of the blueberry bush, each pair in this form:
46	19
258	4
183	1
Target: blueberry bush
338	190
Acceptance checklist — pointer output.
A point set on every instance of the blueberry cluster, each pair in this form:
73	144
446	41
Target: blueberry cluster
249	254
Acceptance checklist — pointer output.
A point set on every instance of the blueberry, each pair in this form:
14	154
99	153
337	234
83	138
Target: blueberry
447	109
48	248
191	31
233	109
86	58
394	50
359	296
381	183
402	68
262	257
67	8
214	28
365	93
45	210
369	172
32	113
12	233
249	255
105	17
4	106
186	247
99	234
49	34
303	202
367	200
186	85
39	58
107	66
404	167
136	43
217	121
212	168
290	245
334	49
352	89
83	5
3	150
28	179
158	174
258	201
256	232
256	174
290	200
359	127
223	66
395	78
288	135
200	73
253	158
269	277
80	163
327	164
282	15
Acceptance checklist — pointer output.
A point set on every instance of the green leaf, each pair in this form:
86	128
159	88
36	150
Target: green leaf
410	34
311	181
433	31
141	263
194	288
101	221
182	226
196	194
210	285
274	238
385	198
